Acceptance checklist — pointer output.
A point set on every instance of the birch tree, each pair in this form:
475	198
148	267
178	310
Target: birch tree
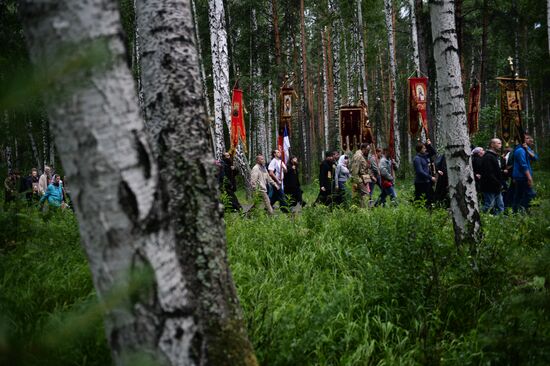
361	50
35	154
220	72
335	38
388	12
157	229
220	76
464	205
325	90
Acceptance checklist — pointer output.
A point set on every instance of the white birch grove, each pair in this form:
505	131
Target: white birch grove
270	115
464	205
347	70
388	11
52	148
220	72
149	266
362	64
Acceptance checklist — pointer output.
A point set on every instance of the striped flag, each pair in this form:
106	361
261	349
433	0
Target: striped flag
284	145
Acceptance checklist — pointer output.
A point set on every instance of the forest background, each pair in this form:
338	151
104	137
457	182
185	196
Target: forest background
314	292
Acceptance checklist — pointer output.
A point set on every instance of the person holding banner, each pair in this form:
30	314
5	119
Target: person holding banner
522	174
277	170
423	180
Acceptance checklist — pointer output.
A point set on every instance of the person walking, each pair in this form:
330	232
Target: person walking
228	181
44	180
423	180
29	186
326	179
260	181
361	174
387	179
54	193
277	170
522	175
341	176
374	161
491	178
292	183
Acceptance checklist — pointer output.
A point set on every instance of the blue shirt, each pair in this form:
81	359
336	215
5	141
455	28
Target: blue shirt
54	194
522	162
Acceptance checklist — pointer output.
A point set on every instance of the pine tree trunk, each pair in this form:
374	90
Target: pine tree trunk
464	206
388	10
155	244
276	34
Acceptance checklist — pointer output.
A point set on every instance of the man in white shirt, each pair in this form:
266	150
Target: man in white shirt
277	170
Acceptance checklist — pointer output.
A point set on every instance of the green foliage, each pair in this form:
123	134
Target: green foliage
328	287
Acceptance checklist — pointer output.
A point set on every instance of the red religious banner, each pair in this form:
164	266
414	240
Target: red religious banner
237	119
418	98
473	108
351	121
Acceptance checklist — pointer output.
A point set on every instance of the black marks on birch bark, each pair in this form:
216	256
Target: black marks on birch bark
128	202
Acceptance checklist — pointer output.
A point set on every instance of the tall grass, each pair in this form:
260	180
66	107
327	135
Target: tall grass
383	286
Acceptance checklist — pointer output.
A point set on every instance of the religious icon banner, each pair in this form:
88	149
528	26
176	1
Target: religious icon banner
351	122
418	99
237	119
473	108
511	96
286	110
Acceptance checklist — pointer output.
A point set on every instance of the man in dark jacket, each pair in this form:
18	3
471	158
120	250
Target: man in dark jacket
423	180
491	178
228	181
29	186
325	179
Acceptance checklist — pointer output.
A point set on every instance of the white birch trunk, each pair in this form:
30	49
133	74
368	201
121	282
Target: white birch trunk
348	72
35	153
414	37
136	58
144	259
195	260
220	76
52	148
201	63
464	205
362	64
335	42
45	138
325	90
270	114
220	72
388	11
7	148
258	103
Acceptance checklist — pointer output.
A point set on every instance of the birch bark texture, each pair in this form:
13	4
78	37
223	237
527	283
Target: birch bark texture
141	262
220	72
362	64
464	205
195	258
388	12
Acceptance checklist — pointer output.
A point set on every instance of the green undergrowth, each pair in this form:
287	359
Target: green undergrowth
384	286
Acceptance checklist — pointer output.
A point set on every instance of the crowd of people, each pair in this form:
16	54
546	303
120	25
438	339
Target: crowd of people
501	180
36	188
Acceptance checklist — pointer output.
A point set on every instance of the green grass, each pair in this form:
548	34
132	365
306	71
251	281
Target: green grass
384	286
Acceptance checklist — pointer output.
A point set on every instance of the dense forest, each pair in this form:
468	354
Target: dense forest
136	257
333	52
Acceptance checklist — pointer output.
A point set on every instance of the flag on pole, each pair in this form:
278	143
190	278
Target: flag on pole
237	119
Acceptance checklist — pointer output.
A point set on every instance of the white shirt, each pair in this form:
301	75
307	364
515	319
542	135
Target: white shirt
276	166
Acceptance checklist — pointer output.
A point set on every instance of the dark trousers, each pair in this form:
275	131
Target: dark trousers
424	191
523	194
278	195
